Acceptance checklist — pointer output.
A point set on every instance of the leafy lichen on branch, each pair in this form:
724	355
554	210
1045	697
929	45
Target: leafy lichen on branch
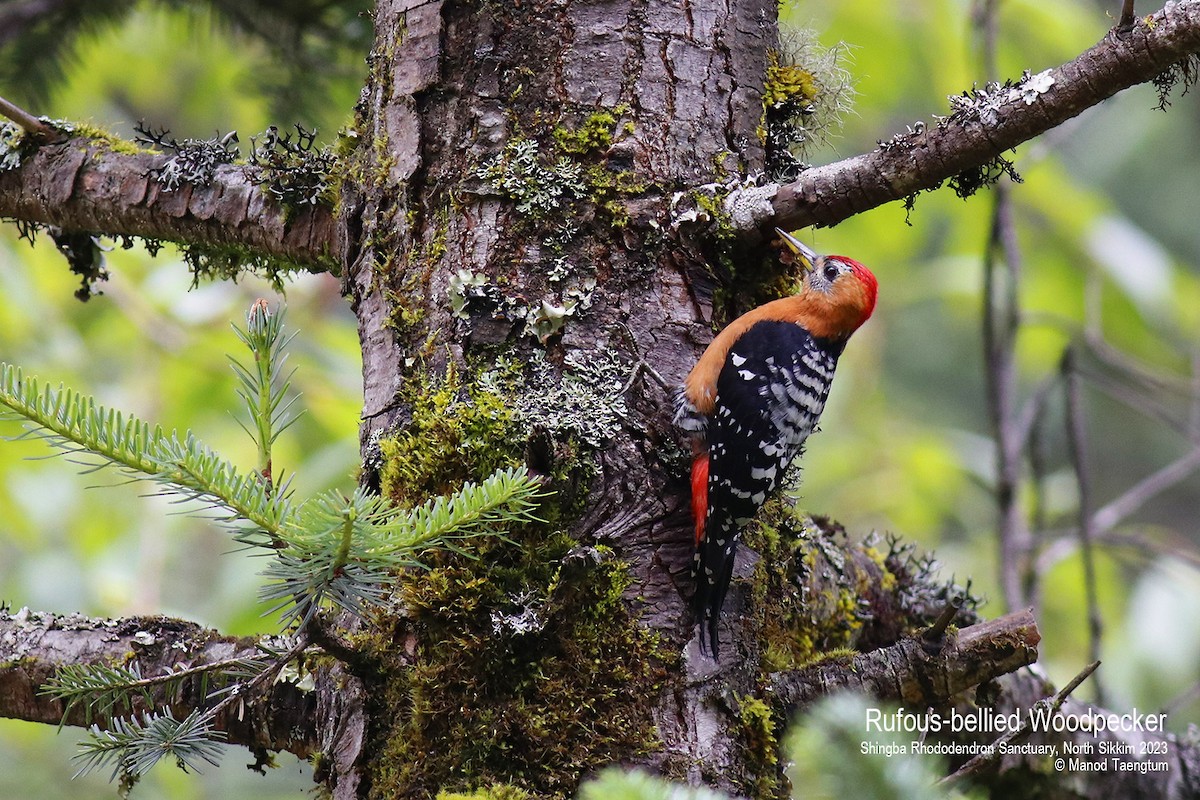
194	161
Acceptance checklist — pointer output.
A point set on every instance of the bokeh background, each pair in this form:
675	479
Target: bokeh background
1108	206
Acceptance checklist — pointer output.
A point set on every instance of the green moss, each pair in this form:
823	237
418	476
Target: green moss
744	277
888	581
571	175
497	791
787	84
594	134
525	668
109	140
800	621
609	189
806	91
458	432
760	728
840	655
230	261
415	271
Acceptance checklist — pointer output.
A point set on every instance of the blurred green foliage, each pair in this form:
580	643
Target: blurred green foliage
830	757
153	346
1108	198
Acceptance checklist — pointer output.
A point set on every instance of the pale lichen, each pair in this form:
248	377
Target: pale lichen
194	161
12	145
750	207
984	105
472	293
538	185
585	402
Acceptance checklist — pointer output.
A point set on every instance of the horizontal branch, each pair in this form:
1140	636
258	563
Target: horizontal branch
84	184
922	160
915	674
34	646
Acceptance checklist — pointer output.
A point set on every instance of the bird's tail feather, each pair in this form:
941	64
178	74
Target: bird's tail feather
713	572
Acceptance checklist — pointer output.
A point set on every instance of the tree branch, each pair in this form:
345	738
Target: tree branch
907	671
34	646
1176	758
922	160
29	123
979	762
85	184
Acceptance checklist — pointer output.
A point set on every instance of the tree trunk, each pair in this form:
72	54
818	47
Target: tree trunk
510	277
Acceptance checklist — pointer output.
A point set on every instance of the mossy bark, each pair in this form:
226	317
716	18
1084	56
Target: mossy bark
507	226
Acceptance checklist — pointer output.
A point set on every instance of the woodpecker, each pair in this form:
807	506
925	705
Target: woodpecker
750	402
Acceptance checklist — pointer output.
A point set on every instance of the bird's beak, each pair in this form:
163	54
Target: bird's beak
805	255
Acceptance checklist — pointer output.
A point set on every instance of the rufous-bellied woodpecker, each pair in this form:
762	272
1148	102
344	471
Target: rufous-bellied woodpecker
750	402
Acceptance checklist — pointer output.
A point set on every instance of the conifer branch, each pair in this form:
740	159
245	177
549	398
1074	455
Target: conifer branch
264	387
506	498
333	551
77	426
101	688
132	746
343	550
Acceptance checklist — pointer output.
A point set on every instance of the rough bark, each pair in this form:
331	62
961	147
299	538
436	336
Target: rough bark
825	195
325	719
683	82
81	183
330	717
919	672
34	645
1173	762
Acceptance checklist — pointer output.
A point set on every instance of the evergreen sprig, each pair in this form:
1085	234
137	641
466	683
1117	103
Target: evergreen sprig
342	550
509	497
133	746
97	687
334	556
263	385
101	688
98	437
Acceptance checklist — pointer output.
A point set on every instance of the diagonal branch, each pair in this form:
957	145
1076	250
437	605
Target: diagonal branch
86	184
29	123
924	159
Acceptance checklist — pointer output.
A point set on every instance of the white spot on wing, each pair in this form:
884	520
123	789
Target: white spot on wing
760	474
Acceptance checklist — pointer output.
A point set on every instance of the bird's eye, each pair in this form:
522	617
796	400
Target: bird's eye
831	272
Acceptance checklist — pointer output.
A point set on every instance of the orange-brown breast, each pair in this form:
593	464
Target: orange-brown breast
832	315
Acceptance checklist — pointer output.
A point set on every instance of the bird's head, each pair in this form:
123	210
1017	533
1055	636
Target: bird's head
837	293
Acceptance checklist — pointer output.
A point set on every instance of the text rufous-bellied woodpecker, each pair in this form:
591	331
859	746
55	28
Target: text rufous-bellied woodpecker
750	402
